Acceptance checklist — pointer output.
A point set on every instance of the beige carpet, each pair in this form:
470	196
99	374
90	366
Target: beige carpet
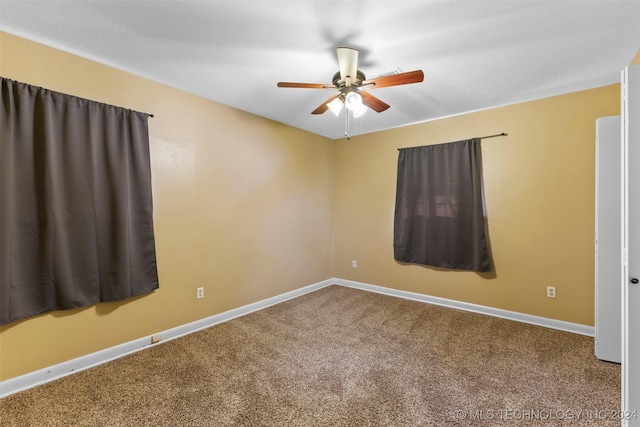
340	357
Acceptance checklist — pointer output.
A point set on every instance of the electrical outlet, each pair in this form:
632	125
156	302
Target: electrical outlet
200	293
354	263
155	338
551	291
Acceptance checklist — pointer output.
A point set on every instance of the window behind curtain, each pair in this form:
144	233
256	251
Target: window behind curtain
439	214
76	222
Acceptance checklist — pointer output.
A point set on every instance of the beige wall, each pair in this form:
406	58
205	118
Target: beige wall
539	187
242	206
249	208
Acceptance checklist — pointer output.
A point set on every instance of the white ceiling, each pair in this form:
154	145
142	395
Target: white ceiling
474	54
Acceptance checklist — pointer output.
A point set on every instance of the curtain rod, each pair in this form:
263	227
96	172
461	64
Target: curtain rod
74	96
489	136
480	137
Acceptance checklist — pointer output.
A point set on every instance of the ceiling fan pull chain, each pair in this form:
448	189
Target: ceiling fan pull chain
346	124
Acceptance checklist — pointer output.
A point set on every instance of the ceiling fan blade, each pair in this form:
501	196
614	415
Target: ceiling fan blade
324	107
372	102
306	85
395	79
347	63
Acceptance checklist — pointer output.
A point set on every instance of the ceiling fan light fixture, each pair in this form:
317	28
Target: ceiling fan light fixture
335	106
359	110
353	101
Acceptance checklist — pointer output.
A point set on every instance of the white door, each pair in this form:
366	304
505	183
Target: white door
608	239
631	247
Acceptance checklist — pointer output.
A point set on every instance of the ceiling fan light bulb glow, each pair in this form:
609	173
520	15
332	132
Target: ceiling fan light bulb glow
335	106
360	110
353	101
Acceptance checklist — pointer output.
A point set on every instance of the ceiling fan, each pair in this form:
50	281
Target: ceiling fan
349	81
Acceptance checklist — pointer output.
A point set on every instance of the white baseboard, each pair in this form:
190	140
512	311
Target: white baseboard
41	376
32	379
561	325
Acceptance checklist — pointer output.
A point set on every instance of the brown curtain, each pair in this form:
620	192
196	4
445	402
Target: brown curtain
439	215
76	218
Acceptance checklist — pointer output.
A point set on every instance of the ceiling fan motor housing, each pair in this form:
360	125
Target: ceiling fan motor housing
341	84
